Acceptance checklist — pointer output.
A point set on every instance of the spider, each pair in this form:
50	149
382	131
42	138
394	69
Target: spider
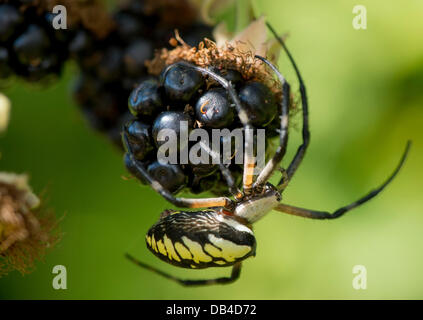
221	235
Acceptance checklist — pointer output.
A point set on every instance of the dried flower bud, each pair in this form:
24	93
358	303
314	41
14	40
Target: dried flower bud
26	230
4	112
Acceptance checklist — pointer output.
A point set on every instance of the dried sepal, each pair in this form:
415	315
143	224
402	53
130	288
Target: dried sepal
237	54
27	230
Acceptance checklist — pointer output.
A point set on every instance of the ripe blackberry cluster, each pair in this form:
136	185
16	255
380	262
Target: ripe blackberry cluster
111	67
29	46
183	94
109	48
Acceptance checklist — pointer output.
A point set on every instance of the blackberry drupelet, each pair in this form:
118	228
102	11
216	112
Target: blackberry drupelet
259	102
146	99
139	137
172	120
170	176
213	109
181	83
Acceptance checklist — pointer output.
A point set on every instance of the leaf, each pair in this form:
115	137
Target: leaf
252	39
210	8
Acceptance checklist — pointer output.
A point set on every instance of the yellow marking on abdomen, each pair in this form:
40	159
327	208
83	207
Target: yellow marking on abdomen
161	247
183	252
170	249
196	251
213	251
148	240
153	243
230	250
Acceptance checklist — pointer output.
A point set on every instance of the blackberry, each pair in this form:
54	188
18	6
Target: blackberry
170	176
181	83
139	138
117	61
32	45
198	184
49	65
221	188
259	102
81	45
128	26
146	99
111	49
5	69
206	105
111	64
235	77
10	19
213	109
136	55
203	170
171	120
34	48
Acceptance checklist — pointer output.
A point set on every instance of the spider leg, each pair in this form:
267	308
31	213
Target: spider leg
249	160
230	181
274	163
179	202
236	271
313	214
284	180
305	131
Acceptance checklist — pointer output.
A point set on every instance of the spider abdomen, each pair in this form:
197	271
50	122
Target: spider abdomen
200	239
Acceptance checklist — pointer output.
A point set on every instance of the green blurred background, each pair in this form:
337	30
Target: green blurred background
366	99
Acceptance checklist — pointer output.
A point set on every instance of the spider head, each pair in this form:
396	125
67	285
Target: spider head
258	205
270	190
200	239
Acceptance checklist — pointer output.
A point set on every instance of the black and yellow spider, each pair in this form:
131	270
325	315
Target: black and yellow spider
222	235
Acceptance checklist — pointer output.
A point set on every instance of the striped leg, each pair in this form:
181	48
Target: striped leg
230	181
313	214
236	271
179	202
249	161
292	168
274	163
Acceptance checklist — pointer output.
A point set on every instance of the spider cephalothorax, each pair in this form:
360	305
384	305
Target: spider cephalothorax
222	235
